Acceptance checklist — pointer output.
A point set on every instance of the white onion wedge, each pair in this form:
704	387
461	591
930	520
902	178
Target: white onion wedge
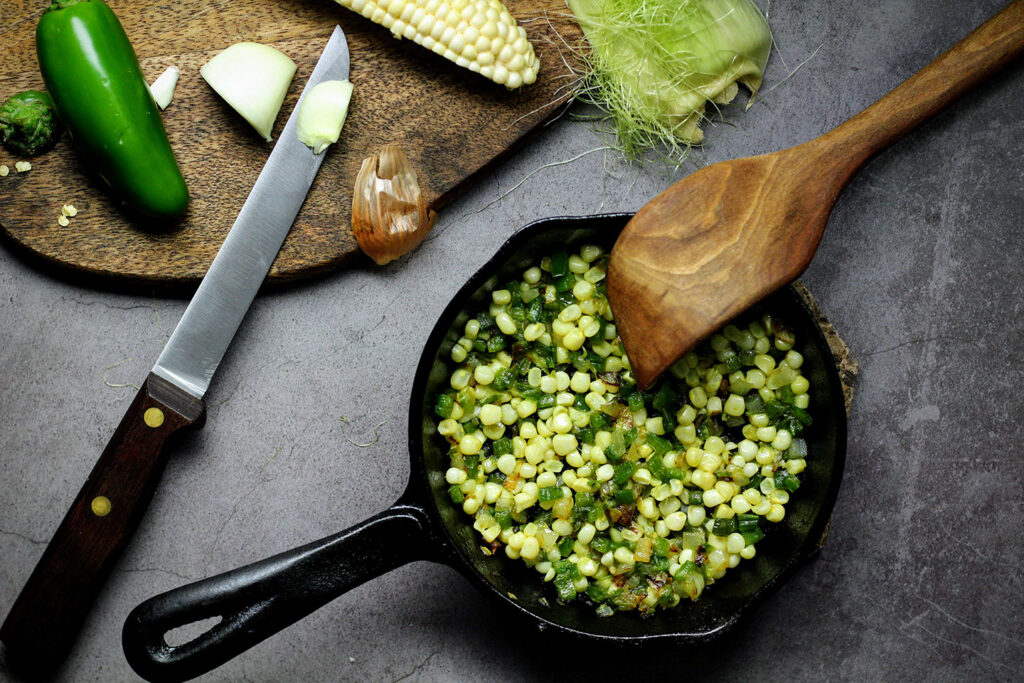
322	114
253	79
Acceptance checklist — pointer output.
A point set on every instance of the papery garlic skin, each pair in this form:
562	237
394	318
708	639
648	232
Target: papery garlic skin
390	217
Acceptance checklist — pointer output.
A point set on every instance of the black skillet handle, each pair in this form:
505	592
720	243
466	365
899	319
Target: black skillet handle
261	599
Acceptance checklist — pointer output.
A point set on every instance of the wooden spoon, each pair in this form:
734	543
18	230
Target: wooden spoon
726	236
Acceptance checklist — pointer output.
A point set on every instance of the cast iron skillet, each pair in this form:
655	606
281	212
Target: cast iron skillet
256	601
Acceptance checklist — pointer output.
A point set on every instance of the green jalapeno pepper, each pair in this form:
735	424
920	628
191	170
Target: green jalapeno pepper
93	75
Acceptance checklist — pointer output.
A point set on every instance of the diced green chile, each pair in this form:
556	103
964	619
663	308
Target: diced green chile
661	446
444	405
455	493
724	527
624	496
503	518
623	472
550	493
559	264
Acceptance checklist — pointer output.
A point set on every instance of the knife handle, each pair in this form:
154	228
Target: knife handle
46	617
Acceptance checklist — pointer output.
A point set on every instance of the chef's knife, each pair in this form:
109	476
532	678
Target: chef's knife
49	612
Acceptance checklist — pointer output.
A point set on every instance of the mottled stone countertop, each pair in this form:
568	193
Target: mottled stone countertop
920	270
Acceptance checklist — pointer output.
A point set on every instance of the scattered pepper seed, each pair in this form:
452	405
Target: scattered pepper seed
22	166
63	221
4	170
69	211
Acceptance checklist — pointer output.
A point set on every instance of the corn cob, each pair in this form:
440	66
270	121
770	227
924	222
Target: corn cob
479	35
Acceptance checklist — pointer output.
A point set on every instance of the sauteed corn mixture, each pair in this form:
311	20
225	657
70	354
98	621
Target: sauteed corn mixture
633	499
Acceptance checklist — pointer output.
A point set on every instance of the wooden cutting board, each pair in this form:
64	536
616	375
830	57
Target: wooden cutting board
450	122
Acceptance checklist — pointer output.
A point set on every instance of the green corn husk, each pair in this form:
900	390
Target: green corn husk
654	65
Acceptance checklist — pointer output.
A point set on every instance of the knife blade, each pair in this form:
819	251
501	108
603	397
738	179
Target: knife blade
51	608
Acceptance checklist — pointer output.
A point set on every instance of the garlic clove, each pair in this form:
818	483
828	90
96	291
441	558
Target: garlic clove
390	217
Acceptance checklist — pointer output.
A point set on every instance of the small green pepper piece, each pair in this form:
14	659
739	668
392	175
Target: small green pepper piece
29	124
444	405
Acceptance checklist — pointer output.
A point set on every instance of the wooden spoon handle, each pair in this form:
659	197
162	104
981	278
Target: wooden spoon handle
983	52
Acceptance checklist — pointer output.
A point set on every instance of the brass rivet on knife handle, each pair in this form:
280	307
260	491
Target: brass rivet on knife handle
49	611
153	417
101	506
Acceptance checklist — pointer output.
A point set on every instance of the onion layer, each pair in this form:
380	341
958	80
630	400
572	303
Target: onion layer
253	79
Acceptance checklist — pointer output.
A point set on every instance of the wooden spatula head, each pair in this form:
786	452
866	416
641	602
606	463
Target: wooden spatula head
723	238
710	246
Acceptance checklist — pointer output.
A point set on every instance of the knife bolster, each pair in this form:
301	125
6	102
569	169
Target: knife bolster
190	408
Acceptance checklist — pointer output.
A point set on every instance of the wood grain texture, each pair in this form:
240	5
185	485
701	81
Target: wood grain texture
48	613
721	239
450	122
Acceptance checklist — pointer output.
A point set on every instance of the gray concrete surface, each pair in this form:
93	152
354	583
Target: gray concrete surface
920	270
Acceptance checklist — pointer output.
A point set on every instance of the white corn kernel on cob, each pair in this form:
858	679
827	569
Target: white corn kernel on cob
479	35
